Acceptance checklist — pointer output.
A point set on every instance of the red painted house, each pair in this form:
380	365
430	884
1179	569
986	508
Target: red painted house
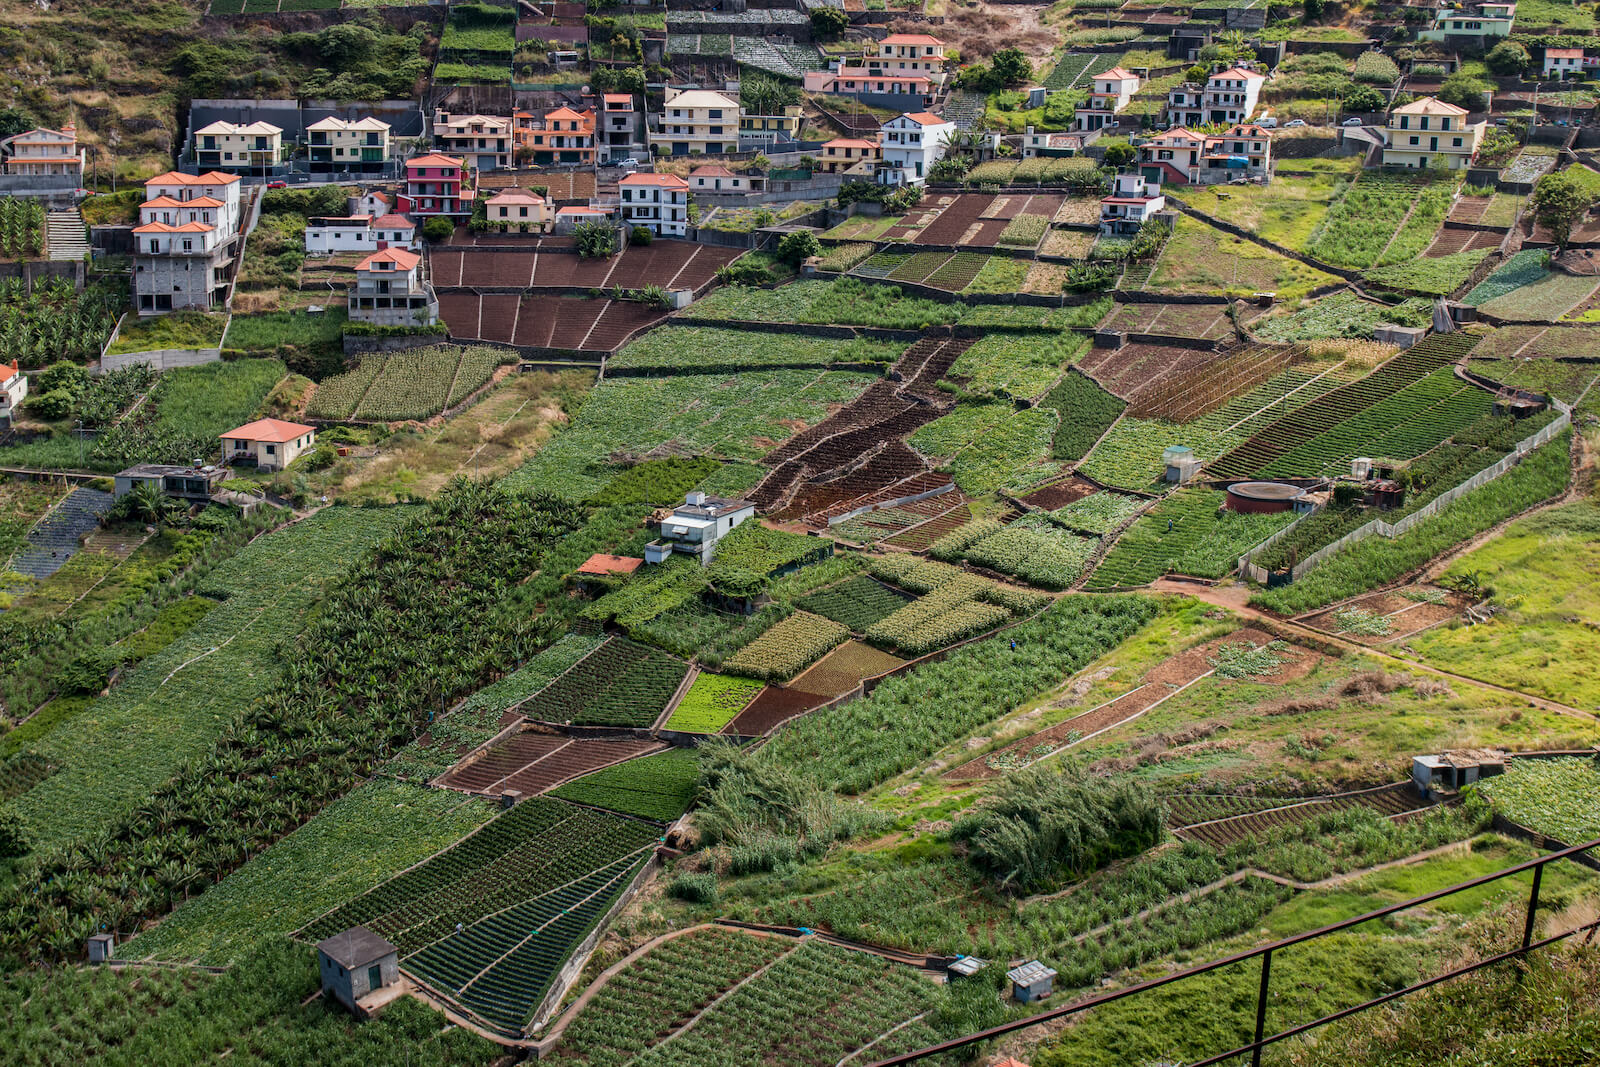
434	187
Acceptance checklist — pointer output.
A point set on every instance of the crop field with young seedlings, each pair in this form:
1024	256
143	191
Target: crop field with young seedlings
411	385
711	703
1016	365
708	350
787	648
1188	533
659	787
858	603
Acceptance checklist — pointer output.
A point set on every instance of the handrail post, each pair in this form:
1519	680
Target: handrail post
1261	1008
1533	906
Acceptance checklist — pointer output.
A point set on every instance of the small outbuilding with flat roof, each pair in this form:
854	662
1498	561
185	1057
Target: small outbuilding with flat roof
1032	981
356	963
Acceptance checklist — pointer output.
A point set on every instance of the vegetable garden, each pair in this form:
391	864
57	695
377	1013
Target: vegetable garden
416	384
621	683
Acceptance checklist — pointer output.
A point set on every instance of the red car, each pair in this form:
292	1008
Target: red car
278	185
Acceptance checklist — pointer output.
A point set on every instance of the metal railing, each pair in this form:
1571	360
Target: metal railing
1265	953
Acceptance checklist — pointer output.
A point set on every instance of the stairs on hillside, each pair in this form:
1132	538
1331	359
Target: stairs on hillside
65	238
56	537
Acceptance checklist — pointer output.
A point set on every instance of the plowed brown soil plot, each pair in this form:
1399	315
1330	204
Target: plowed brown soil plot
498	269
858	455
1157	685
460	313
1451	241
538	759
1201	388
1205	321
532	242
1469	208
919	538
772	707
957	217
843	669
558	184
1397	802
578	324
1060	494
1403	615
1131	369
1009	206
912	222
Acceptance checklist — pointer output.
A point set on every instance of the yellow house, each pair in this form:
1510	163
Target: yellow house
516	207
345	145
230	146
1432	134
271	444
758	131
696	120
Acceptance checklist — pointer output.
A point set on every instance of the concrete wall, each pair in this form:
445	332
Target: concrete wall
35	270
357	344
161	358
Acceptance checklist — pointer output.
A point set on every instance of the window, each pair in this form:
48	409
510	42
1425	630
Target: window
272	450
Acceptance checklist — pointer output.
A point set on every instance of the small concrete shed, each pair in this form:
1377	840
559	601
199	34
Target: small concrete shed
1032	981
356	963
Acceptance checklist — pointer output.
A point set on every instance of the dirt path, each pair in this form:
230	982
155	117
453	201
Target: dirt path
1234	598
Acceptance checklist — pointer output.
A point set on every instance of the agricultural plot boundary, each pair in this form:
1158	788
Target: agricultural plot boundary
1377	527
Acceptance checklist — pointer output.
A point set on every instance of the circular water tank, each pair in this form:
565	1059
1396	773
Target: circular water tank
1262	497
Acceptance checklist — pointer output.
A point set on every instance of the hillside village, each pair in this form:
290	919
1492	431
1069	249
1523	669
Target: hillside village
800	532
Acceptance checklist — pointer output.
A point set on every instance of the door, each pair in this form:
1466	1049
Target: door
1433	144
374	977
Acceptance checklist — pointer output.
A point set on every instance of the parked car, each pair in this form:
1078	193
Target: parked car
278	184
1294	124
1352	122
1268	123
626	163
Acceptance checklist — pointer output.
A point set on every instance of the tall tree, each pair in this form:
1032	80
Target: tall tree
1559	202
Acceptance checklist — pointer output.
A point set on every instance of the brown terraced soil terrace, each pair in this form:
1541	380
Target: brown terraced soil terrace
559	184
903	518
1405	616
772	707
912	222
921	537
1060	494
1208	322
1469	208
575	323
1158	685
538	759
1202	388
1398	802
963	213
1009	205
669	264
1294	429
858	455
1451	241
465	238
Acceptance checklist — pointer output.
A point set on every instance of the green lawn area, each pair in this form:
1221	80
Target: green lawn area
1542	570
181	329
1203	259
863	227
1288	210
270	330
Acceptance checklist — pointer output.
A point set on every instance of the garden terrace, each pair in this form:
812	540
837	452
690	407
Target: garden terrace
1382	218
918	538
1187	533
411	385
537	759
884	523
1200	259
708	348
621	683
1450	241
669	264
1389	617
1208	322
561	186
965	220
713	701
566	323
1391	802
659	787
1348	401
525	889
857	456
1208	387
1136	370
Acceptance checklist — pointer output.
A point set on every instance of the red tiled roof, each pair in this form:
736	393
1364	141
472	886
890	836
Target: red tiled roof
393	221
849	142
668	181
911	38
173	177
619	98
274	431
924	118
398	256
162	227
601	563
435	159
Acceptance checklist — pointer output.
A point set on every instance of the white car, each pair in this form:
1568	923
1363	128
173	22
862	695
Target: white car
1352	122
1268	123
1294	124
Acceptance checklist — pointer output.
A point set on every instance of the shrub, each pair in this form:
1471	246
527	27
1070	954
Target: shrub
52	406
797	247
642	235
437	229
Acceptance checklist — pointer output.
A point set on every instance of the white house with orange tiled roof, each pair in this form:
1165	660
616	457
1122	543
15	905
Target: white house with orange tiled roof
269	444
659	202
715	178
1432	134
1110	94
1230	95
1566	63
13	390
1134	200
42	152
907	53
911	144
187	233
516	209
846	153
392	289
1180	156
330	234
572	216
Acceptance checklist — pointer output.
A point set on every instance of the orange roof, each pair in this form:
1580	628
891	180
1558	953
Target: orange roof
516	196
273	431
1117	73
393	221
923	118
162	227
575	209
1175	134
911	38
167	201
173	177
601	563
563	113
1564	53
669	181
1239	72
435	159
398	256
619	98
9	371
849	142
